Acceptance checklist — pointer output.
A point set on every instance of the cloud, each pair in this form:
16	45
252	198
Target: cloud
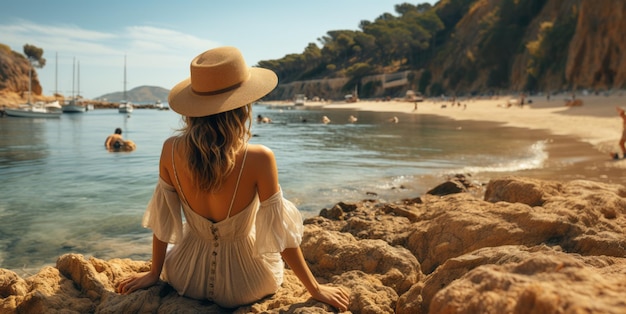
155	56
145	45
163	47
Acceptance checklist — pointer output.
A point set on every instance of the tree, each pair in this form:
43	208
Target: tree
34	55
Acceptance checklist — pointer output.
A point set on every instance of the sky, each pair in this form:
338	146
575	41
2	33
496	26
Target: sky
158	39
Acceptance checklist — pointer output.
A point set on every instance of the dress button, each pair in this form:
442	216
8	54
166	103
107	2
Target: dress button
217	244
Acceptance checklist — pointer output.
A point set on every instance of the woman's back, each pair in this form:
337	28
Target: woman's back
258	175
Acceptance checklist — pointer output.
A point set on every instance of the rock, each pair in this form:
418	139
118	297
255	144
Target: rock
448	187
333	253
526	191
527	280
527	246
458	183
14	70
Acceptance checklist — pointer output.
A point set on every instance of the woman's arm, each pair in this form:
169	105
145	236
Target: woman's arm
334	296
145	280
267	185
159	247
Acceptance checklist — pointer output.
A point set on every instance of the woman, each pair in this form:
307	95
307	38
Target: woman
237	222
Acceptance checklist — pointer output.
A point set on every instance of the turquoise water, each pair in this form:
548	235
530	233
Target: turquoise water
61	191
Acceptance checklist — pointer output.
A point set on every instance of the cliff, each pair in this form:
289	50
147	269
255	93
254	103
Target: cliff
535	45
596	55
483	46
529	246
14	68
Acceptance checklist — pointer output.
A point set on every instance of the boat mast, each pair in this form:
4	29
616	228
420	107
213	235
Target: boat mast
30	80
73	77
56	73
78	80
125	77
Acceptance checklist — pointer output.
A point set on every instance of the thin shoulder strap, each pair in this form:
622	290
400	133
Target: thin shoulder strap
243	162
176	173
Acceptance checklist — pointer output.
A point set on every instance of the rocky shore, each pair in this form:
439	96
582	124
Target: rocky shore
525	246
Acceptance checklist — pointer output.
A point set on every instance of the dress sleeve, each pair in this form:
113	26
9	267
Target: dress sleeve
163	214
278	225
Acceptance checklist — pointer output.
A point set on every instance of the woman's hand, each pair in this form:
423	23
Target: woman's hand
137	282
334	296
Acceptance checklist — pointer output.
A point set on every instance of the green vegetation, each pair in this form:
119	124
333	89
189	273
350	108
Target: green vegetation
34	55
387	44
458	46
548	53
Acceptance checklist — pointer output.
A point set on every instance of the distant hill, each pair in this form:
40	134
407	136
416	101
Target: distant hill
141	94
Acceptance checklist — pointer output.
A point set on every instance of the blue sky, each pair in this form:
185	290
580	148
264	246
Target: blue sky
159	38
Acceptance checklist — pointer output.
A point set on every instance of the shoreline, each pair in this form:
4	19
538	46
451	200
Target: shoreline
579	138
595	122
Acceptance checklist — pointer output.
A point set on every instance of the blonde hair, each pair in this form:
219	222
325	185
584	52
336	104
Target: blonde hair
211	144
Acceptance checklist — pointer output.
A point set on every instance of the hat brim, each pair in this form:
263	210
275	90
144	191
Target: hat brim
183	100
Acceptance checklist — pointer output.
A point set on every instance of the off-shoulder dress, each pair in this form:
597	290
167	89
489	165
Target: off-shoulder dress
232	262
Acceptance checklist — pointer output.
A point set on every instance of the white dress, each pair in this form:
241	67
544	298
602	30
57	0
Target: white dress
233	262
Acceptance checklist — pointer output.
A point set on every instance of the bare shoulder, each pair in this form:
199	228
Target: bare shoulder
260	153
169	141
261	157
166	151
263	169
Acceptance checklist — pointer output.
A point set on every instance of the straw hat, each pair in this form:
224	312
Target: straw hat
220	81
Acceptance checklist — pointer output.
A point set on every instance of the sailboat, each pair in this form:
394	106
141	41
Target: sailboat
36	110
74	105
125	106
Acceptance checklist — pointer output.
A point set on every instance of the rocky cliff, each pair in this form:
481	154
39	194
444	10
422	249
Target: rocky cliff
535	45
14	68
529	246
502	46
596	53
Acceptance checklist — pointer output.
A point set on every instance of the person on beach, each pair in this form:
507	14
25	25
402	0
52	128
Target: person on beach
116	143
237	222
622	140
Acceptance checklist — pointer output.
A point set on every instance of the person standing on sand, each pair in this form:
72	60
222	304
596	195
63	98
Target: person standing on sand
622	140
237	222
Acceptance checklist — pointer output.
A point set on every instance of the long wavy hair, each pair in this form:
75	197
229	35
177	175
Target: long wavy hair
211	144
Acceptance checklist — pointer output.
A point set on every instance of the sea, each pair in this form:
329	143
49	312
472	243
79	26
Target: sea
62	192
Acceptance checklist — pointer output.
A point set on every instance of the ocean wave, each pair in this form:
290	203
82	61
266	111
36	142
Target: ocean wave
534	158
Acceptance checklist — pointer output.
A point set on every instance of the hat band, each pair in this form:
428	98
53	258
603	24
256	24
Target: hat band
220	91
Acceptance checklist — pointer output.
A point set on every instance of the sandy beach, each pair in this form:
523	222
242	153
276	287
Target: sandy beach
595	122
